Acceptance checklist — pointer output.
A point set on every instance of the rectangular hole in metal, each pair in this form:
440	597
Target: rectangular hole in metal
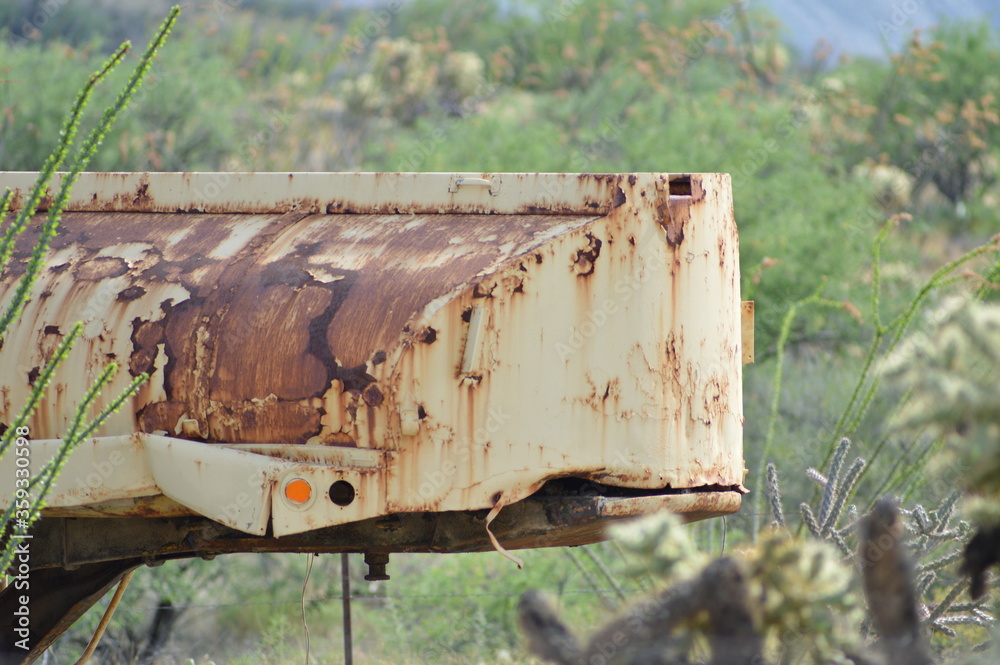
681	186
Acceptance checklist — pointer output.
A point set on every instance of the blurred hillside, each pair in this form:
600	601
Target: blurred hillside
873	28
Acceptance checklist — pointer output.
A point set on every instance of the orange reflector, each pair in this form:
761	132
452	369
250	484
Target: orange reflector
298	491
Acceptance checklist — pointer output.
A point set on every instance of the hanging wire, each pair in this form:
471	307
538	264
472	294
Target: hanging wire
305	583
345	587
106	619
725	530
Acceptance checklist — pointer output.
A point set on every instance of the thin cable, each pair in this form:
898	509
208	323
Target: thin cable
725	529
106	619
305	583
345	585
380	597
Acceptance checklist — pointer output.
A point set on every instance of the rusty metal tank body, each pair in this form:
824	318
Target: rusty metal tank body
406	344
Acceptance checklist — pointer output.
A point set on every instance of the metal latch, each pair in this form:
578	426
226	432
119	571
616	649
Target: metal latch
470	183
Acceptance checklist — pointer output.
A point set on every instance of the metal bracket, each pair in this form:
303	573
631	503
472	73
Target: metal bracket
242	486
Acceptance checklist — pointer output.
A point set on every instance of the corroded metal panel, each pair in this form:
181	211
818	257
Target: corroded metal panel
474	340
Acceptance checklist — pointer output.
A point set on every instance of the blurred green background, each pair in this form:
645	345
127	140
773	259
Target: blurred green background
823	151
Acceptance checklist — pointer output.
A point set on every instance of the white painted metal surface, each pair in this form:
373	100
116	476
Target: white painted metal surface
436	341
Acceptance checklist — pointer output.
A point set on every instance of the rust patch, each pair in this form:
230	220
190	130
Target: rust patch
102	267
160	416
268	421
619	198
372	395
131	293
675	200
146	335
339	439
672	219
142	198
282	305
484	290
585	258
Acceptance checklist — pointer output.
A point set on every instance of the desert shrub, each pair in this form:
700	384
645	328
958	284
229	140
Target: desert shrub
177	122
933	112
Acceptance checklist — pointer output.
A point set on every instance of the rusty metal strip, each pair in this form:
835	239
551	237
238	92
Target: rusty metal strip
746	330
497	507
530	193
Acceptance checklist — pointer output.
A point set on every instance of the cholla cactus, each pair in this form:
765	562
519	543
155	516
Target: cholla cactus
953	375
660	546
362	96
936	539
787	599
807	595
460	78
407	80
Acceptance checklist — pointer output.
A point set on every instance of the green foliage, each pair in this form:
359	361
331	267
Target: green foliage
31	494
952	372
175	122
886	338
932	112
820	159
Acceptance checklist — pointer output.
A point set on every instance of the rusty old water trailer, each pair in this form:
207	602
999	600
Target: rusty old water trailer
375	363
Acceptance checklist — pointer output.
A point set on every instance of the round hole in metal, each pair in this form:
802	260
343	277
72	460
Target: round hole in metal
342	493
